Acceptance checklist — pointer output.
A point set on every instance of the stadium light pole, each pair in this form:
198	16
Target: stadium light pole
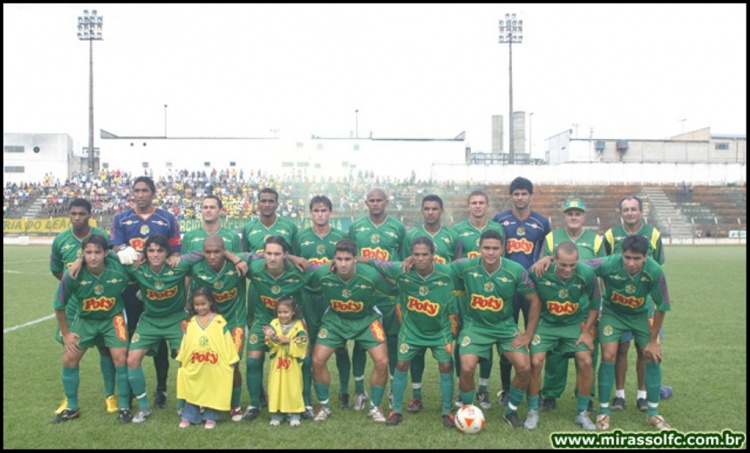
356	123
511	30
90	29
165	120
531	137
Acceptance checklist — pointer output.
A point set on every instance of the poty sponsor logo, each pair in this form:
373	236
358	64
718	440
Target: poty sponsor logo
268	302
438	259
519	245
376	253
632	302
161	295
473	254
318	261
561	308
138	244
377	331
283	363
422	306
209	357
120	328
486	303
348	306
98	303
225	296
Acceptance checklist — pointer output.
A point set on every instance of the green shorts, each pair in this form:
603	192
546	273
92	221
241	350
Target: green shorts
442	348
313	308
256	339
479	340
612	328
149	332
112	332
335	331
558	337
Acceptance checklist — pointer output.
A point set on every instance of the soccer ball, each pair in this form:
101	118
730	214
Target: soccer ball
469	419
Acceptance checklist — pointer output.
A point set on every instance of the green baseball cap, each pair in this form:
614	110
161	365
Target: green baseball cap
574	204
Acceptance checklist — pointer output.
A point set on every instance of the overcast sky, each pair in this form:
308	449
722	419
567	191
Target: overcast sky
413	71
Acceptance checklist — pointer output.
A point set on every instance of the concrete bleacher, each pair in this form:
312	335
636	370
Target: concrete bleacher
720	209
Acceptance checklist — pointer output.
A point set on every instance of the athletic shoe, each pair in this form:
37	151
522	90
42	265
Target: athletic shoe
642	404
275	422
459	401
394	419
513	419
360	401
484	400
602	421
618	404
665	392
502	397
141	415
390	400
376	414
532	420
65	415
344	401
63	405
160	399
184	423
448	421
585	422
251	414
294	422
590	408
415	405
111	404
548	404
659	422
263	399
235	414
125	416
322	414
309	414
210	424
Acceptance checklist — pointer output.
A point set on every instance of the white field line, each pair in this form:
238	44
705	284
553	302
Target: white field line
30	323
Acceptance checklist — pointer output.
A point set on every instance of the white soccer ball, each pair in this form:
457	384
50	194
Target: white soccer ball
469	419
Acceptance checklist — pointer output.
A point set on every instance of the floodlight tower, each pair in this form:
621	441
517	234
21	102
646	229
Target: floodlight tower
511	30
90	29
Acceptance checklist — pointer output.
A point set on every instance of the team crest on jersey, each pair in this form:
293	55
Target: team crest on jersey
323	333
135	338
275	289
320	249
144	230
465	341
563	293
630	289
253	339
346	293
98	289
424	291
159	284
375	239
217	285
203	341
403	348
607	330
535	340
489	287
520	231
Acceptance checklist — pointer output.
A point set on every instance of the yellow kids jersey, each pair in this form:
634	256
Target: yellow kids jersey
285	371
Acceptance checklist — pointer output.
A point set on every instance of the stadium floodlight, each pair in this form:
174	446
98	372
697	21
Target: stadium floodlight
90	29
511	30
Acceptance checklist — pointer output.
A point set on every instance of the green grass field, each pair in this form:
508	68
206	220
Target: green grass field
705	352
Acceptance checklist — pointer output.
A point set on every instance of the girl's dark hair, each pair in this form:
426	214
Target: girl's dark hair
205	292
289	300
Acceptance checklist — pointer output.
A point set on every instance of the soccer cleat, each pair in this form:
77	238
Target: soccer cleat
125	416
344	401
459	401
235	414
263	398
111	404
376	414
532	420
659	422
415	405
294	422
63	405
585	422
65	415
160	399
513	419
502	397
618	404
275	422
448	421
141	415
548	404
484	400
210	424
394	419
360	401
390	400
322	414
602	421
184	423
251	414
642	404
309	414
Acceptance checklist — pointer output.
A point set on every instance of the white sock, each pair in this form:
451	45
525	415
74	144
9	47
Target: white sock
641	395
620	393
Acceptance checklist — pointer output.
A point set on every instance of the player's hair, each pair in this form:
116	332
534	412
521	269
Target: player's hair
213	237
205	292
291	303
158	239
635	243
346	245
567	247
271	191
148	181
321	199
278	240
377	189
631	197
96	239
213	197
423	240
521	183
80	203
480	193
491	234
433	197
